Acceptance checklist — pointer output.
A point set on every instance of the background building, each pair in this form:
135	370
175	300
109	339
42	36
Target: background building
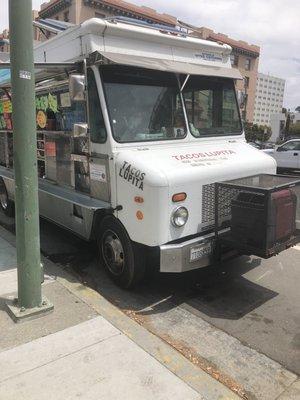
77	11
4	41
268	99
277	123
4	38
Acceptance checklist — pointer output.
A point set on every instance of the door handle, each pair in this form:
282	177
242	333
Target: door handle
295	154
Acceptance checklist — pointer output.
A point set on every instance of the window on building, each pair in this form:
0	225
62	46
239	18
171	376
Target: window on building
246	81
66	16
234	58
247	64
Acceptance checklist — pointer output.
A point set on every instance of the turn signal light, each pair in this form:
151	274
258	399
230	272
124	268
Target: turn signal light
178	197
139	199
139	215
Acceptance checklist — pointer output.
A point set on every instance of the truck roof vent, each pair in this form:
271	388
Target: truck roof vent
160	27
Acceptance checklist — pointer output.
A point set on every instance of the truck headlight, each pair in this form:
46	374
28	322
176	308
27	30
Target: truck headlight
179	216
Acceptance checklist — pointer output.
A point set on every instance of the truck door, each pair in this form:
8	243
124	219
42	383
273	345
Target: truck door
288	155
99	158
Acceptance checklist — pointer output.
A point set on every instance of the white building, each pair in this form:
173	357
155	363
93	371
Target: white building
268	99
277	122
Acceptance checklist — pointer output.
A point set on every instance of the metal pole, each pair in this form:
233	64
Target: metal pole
25	154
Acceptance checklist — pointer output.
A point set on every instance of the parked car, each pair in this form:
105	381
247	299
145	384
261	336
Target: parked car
262	145
254	144
267	145
287	155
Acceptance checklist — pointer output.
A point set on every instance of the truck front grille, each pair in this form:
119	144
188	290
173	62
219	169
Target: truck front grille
208	204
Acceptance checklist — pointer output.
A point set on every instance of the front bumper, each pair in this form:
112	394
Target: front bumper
176	257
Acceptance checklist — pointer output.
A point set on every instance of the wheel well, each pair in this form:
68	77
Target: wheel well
9	208
99	215
3	186
3	182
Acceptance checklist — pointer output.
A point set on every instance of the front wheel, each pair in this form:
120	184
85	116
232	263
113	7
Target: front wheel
122	259
6	204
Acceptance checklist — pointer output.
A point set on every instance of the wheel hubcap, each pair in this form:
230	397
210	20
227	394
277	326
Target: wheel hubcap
113	252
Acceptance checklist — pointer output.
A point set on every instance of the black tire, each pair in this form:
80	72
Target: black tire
6	205
122	259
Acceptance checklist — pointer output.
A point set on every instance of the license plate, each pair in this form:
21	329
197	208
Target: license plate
200	251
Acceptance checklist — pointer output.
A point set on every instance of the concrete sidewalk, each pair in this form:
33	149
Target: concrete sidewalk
75	352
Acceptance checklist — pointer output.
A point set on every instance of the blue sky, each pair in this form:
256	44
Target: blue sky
271	24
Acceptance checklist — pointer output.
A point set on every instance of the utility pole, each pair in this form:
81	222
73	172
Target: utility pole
30	301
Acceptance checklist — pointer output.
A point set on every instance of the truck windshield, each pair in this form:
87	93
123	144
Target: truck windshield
211	106
143	105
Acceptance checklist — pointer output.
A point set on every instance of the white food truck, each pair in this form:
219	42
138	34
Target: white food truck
136	125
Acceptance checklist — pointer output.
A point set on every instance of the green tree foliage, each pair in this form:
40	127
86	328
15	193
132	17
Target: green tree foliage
254	132
294	129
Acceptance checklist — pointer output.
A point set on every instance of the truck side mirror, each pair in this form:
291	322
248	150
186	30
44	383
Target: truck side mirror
76	87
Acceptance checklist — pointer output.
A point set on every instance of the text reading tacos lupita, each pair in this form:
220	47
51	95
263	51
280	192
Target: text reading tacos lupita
132	175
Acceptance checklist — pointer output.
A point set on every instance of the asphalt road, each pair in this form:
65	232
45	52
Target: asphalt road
255	301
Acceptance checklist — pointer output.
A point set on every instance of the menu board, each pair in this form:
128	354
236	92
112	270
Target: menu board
46	108
54	111
5	114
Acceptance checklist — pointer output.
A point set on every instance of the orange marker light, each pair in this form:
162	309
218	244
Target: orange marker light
178	197
139	199
139	215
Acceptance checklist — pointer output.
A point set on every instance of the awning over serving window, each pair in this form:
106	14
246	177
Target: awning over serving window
43	71
172	66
